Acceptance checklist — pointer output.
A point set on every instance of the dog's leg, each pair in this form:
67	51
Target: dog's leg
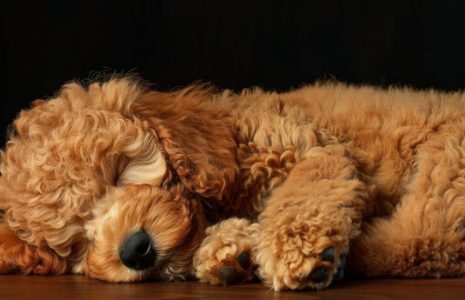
425	237
308	222
225	256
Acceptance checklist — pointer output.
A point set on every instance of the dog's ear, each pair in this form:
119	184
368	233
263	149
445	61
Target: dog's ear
16	256
197	136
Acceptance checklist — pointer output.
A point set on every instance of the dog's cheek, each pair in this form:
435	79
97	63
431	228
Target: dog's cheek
179	264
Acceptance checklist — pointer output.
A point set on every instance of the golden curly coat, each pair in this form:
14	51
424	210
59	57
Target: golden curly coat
289	183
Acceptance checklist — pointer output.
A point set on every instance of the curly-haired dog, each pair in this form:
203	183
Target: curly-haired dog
120	183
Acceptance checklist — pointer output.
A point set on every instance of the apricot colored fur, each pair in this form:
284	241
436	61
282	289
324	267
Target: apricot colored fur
375	174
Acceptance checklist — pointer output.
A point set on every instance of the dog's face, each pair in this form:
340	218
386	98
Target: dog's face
111	181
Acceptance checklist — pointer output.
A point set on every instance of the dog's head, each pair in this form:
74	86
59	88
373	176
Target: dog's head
114	181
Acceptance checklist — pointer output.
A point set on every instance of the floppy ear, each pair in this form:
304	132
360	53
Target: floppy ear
197	136
16	256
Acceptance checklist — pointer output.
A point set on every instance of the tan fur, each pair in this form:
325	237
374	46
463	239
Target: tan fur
225	241
378	174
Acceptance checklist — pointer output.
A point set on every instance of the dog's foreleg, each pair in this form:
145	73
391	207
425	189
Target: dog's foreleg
306	227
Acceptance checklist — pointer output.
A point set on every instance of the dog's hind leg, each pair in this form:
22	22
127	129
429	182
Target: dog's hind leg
425	236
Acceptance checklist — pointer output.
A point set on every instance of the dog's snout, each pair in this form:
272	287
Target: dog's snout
137	251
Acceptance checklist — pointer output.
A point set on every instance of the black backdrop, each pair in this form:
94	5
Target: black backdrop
233	44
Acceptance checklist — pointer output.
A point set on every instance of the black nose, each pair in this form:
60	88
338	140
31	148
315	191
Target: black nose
137	251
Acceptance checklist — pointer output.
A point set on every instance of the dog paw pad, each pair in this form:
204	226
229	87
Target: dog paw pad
319	275
327	254
229	275
340	268
244	260
237	271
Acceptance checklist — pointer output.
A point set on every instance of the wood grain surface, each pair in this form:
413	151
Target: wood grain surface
70	287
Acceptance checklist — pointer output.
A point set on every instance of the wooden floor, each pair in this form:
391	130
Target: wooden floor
78	287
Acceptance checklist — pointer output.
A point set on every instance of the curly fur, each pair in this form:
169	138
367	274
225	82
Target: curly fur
375	174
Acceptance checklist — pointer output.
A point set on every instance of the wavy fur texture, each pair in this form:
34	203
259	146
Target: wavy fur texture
287	185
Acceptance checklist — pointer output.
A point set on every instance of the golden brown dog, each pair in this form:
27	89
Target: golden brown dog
122	183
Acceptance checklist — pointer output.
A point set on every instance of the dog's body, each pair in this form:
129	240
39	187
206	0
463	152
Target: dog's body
301	179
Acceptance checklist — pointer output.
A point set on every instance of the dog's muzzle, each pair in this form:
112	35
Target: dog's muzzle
137	251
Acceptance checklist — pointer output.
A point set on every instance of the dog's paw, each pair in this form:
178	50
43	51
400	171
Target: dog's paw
225	256
302	254
312	272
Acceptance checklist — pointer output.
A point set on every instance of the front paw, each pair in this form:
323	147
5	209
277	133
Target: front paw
301	256
314	273
225	256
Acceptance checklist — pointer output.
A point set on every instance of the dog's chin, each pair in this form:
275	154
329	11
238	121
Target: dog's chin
117	272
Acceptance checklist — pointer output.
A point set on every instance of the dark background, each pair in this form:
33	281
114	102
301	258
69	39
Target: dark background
233	44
